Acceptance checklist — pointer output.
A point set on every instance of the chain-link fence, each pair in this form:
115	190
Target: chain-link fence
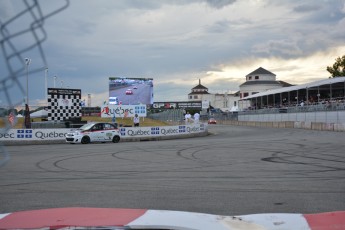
172	116
21	36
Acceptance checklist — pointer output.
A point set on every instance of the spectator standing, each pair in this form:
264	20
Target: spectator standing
113	119
187	117
136	120
196	117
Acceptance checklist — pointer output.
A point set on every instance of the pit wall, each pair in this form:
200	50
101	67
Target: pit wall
46	136
289	124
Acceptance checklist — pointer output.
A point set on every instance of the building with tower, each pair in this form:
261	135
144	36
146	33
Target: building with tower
224	101
260	80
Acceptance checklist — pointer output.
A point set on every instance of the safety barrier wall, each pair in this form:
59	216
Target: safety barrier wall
32	136
317	120
335	117
289	124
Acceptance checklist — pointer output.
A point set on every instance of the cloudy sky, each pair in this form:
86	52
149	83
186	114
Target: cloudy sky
175	42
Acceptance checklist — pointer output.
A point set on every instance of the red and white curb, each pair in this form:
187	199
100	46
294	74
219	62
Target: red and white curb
60	218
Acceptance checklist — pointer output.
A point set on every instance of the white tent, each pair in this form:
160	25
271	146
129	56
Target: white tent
39	113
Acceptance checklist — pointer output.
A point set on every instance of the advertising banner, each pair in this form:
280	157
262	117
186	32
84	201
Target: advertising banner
124	111
34	134
205	104
125	132
178	105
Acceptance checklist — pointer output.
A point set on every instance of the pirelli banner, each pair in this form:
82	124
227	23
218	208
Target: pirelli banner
125	132
178	105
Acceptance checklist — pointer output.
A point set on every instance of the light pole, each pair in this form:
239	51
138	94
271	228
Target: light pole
55	80
46	84
27	63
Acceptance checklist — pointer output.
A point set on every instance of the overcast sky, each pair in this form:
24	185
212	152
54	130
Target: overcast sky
176	43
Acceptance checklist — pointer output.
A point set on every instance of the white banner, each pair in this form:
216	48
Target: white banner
120	111
205	104
33	134
161	131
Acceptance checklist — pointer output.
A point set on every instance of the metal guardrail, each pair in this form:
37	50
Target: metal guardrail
171	115
176	116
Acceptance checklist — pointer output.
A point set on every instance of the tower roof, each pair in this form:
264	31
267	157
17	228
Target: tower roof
200	86
199	89
260	70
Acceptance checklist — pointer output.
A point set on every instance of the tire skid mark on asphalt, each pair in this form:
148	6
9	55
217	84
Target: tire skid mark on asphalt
289	155
173	161
100	174
287	158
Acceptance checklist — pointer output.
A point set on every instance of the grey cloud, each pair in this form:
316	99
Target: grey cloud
306	8
150	4
326	13
218	27
219	3
287	48
226	25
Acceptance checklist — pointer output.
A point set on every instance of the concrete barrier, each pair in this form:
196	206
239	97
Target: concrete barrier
55	136
281	125
289	124
328	126
316	125
269	124
339	127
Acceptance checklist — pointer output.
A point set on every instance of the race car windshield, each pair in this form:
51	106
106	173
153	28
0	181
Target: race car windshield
86	127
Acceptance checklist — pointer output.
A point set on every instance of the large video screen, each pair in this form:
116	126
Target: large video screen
130	91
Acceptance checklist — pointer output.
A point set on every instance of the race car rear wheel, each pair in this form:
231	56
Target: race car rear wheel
116	139
85	140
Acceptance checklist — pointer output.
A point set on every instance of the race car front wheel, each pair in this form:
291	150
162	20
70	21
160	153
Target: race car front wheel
116	139
85	140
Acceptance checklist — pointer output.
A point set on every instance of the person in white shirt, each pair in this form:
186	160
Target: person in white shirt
196	117
136	120
187	117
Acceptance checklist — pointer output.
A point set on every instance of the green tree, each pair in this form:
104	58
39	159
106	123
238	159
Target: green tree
338	68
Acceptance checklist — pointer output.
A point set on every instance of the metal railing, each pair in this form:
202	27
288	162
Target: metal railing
170	116
328	106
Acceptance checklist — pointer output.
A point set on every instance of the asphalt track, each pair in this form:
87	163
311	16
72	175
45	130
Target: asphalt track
236	170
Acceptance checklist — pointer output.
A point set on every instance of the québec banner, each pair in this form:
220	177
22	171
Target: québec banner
125	132
124	111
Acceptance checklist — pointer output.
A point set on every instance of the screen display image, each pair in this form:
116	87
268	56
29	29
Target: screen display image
130	91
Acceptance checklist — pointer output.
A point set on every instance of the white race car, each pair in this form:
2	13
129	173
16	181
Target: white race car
94	132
